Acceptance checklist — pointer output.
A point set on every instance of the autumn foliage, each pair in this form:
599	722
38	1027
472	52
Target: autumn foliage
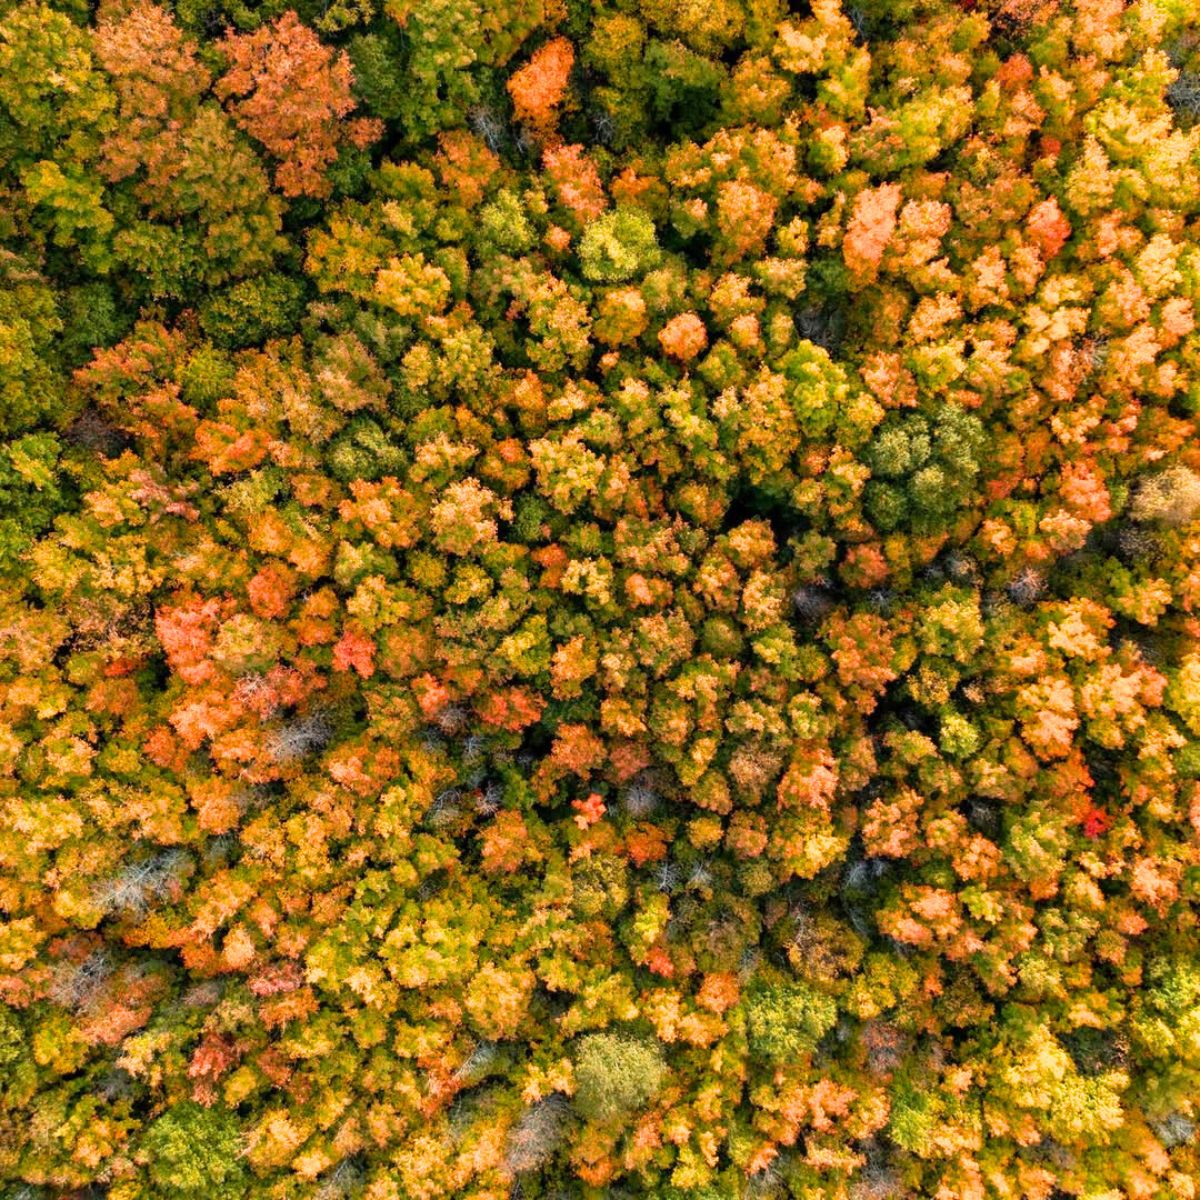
600	600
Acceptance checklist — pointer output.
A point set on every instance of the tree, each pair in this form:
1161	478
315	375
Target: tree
615	1074
195	1151
539	87
290	93
785	1021
618	245
157	78
252	310
51	90
29	322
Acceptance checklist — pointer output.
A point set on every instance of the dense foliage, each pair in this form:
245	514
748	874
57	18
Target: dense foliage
599	598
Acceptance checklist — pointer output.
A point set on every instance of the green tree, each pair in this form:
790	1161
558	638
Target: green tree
195	1151
616	1074
786	1020
618	245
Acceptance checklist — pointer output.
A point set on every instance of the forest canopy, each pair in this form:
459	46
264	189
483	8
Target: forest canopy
598	598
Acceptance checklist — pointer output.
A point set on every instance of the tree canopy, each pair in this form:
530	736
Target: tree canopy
599	598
